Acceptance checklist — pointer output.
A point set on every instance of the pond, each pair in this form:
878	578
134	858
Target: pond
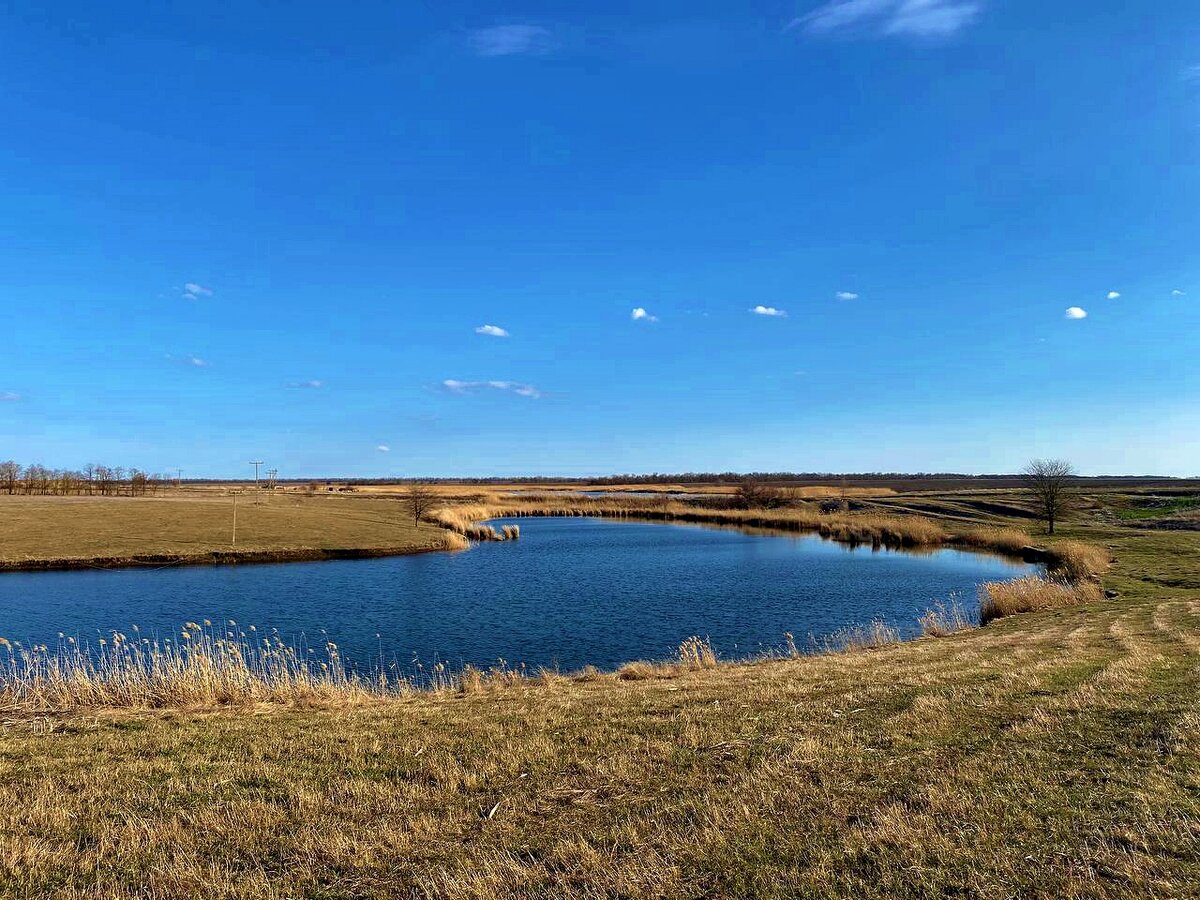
571	592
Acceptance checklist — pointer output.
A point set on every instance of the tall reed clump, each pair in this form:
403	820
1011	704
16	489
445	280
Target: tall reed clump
1007	598
1078	561
697	653
872	636
946	618
204	664
1005	540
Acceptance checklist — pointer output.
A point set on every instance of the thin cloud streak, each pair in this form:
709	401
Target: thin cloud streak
847	295
510	40
768	311
193	291
193	361
311	384
491	331
9	396
899	18
455	386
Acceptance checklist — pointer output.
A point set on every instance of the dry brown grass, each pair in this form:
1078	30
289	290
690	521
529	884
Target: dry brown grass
203	665
872	636
1002	538
946	618
1008	598
1078	560
109	530
898	531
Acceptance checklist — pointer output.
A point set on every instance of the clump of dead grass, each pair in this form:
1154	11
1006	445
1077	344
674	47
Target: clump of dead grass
994	537
946	618
872	636
1007	598
1079	561
204	664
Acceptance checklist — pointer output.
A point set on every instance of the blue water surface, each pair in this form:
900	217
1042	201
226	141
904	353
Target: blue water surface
571	592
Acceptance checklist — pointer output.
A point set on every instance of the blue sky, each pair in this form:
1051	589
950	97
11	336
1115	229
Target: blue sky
277	231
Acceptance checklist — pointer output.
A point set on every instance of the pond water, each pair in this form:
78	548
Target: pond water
571	592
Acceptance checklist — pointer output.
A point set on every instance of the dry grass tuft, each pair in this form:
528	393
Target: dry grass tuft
1006	540
636	671
697	653
1078	561
1008	598
872	636
204	664
944	619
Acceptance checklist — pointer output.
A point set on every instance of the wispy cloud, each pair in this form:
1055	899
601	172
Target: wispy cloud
384	448
768	311
1177	293
9	396
454	386
193	291
847	295
491	330
1114	295
1076	312
510	40
900	18
193	361
311	384
640	315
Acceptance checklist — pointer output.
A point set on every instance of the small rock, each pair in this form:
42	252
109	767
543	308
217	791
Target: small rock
1111	594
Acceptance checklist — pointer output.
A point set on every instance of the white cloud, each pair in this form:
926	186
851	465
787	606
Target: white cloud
492	330
846	295
509	40
194	361
311	384
1075	312
384	448
640	315
904	18
9	397
469	387
768	311
1177	293
1114	295
193	291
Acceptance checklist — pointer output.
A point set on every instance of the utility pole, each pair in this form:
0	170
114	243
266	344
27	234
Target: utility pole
234	544
256	463
178	478
272	474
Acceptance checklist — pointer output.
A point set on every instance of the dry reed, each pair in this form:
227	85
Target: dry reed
204	664
1006	598
943	619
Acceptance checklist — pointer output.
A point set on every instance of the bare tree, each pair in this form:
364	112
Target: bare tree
10	474
421	497
1049	481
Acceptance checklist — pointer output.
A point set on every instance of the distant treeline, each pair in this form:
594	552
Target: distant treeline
875	479
106	481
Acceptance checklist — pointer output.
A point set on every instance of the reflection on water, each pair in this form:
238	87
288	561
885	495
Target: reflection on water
571	592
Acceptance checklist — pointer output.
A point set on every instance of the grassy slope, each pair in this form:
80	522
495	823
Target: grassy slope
99	527
1055	754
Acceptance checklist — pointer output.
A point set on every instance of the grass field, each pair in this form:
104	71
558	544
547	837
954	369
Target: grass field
113	530
1049	754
